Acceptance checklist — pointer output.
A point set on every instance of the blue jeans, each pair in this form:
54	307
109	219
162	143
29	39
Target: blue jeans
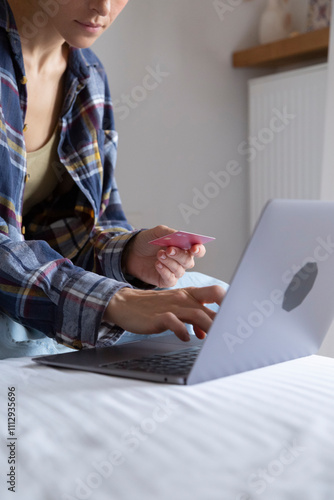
17	341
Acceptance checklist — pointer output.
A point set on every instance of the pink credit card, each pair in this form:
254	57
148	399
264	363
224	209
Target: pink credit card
181	239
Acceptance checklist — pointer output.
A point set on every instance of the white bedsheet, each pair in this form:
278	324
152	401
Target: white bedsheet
266	434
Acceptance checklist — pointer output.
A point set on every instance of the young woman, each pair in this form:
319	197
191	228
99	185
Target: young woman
72	269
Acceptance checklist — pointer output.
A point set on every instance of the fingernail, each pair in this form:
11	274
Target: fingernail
160	266
172	251
163	256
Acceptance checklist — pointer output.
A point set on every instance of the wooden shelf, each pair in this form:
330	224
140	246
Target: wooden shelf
296	49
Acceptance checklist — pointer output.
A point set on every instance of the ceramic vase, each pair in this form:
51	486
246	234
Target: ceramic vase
275	22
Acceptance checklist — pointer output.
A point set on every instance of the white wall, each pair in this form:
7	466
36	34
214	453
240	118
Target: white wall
327	188
193	121
299	10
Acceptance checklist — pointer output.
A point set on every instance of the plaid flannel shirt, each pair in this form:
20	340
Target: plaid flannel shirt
59	276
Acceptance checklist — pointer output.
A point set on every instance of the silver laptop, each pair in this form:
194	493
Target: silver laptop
279	306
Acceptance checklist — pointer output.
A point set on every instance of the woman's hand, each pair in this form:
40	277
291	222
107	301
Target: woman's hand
154	311
159	267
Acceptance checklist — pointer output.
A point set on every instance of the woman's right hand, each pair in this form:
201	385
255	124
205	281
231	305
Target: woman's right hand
154	311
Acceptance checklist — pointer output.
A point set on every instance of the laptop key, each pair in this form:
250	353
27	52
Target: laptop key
175	363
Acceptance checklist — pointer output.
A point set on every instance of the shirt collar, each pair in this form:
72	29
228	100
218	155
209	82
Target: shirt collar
7	20
78	64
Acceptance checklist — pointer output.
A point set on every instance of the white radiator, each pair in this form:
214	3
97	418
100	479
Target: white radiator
286	127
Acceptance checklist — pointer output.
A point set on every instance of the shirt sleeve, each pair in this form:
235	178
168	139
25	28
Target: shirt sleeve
106	223
43	290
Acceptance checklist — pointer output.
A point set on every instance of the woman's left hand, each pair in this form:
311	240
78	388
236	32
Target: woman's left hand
159	267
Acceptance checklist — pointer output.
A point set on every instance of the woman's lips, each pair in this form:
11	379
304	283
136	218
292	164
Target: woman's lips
90	27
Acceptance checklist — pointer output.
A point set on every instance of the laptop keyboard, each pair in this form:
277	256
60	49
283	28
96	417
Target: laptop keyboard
174	363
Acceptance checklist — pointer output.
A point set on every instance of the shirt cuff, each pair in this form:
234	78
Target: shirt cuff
81	307
108	335
112	255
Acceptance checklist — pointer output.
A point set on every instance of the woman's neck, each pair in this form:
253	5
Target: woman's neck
42	46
